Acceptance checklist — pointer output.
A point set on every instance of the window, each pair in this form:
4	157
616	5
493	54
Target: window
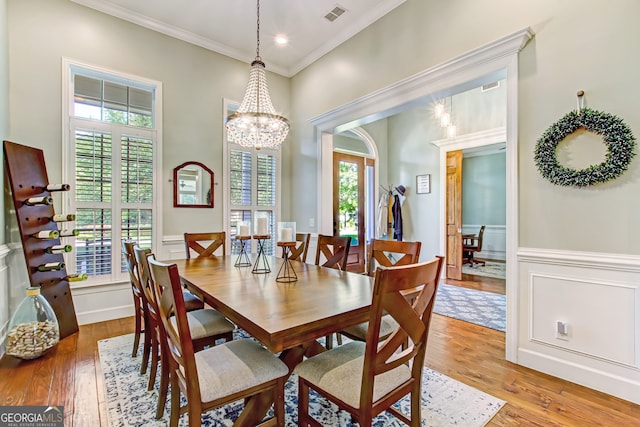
113	151
252	178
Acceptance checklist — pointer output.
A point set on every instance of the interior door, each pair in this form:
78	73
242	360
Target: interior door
348	205
454	214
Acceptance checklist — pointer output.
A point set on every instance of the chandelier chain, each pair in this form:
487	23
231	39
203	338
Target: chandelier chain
258	32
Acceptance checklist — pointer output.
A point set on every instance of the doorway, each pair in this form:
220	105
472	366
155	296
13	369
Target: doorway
349	206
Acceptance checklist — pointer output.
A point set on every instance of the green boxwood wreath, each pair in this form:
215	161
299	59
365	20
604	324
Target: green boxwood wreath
617	136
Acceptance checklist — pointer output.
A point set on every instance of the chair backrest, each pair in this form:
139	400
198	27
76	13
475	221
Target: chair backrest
215	240
299	252
408	342
389	253
145	275
335	251
168	292
132	268
480	235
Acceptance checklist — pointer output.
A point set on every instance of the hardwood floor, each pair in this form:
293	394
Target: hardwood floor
70	375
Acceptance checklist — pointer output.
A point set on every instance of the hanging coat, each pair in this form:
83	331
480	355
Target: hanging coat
383	214
397	218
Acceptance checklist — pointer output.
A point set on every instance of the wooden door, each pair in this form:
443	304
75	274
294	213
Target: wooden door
348	205
454	214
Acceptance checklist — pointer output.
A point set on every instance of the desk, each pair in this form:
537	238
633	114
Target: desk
285	317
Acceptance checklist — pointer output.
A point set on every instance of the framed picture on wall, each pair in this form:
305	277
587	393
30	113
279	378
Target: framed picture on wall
423	184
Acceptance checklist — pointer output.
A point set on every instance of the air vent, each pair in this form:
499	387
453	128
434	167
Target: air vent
335	13
490	86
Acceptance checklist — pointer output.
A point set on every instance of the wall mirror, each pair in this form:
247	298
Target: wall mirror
192	186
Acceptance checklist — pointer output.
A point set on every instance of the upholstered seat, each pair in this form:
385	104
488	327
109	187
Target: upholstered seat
235	366
339	372
207	323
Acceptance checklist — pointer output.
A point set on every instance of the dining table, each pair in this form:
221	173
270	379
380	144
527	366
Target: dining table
287	318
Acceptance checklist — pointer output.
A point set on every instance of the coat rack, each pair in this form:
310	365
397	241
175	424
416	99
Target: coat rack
31	193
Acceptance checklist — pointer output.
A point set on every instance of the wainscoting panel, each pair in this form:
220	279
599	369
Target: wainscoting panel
610	335
597	296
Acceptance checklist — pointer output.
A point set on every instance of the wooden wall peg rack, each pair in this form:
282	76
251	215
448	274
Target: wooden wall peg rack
27	173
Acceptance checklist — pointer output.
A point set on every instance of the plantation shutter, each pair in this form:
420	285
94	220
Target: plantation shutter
94	170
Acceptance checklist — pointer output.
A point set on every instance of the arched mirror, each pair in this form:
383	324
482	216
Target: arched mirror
192	186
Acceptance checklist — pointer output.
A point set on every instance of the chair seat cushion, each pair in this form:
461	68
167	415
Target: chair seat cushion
339	372
235	366
192	302
206	322
387	326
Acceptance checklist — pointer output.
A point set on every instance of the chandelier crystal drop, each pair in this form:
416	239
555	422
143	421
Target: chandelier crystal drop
256	123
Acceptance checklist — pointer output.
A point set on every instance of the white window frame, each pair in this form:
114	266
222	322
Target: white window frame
230	106
69	124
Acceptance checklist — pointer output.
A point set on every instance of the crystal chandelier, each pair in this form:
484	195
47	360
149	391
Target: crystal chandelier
256	123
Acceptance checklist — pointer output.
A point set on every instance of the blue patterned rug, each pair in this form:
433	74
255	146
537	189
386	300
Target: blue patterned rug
482	308
445	401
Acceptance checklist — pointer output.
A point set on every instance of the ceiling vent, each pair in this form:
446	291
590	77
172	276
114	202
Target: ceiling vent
335	13
490	86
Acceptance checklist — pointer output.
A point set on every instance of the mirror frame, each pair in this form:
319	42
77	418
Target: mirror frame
175	186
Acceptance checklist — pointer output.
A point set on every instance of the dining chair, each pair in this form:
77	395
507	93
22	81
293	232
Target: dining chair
205	244
139	303
334	250
386	253
299	252
471	245
216	376
206	325
367	378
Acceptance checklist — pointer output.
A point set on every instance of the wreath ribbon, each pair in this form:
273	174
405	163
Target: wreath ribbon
616	135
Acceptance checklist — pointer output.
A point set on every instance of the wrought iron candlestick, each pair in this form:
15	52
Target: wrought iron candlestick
286	273
243	258
261	265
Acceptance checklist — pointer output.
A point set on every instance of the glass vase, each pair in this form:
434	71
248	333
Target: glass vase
33	328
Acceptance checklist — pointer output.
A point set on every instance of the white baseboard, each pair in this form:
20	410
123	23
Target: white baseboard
102	315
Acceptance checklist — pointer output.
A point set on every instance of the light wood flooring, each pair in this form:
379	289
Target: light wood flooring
70	375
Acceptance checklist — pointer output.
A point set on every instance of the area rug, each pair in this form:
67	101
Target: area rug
482	308
490	269
445	402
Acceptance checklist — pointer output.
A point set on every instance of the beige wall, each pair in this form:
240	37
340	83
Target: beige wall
592	53
195	82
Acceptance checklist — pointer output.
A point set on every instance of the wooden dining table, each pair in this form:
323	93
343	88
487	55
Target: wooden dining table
286	317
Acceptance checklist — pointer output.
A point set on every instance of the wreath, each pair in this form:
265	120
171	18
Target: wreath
617	137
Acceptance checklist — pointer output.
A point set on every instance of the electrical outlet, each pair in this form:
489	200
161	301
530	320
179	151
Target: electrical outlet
312	222
562	330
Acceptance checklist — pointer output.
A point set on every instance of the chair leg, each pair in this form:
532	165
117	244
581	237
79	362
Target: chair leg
278	402
303	404
154	359
416	416
138	328
164	380
146	347
174	415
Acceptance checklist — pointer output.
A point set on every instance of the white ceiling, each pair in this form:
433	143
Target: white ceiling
229	26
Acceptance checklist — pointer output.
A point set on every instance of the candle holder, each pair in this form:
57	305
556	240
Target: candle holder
243	258
286	231
286	273
261	265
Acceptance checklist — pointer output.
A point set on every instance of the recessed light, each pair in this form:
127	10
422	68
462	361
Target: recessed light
281	40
